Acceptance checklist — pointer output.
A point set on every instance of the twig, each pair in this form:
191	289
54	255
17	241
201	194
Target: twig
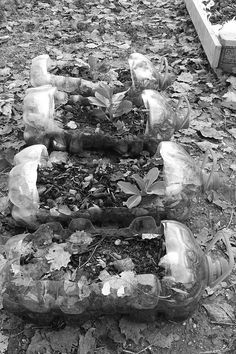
216	351
17	334
142	350
91	254
231	218
223	323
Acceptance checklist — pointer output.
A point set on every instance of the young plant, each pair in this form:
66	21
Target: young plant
115	105
145	186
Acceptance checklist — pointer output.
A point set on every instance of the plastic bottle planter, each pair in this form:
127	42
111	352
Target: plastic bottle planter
38	115
43	280
39	107
22	183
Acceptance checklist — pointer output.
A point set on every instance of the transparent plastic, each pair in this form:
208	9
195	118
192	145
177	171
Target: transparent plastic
188	270
39	285
146	76
163	120
38	112
22	187
182	173
35	153
39	70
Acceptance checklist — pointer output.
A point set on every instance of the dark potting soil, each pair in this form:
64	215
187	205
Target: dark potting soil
90	180
102	254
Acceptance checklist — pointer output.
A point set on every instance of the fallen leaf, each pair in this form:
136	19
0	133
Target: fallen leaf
5	71
58	157
63	341
232	80
124	264
209	132
232	131
230	100
39	344
149	236
205	145
57	256
3	343
157	339
87	343
63	209
131	330
233	167
181	87
220	312
71	125
185	77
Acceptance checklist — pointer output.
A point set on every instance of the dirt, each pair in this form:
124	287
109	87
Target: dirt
70	30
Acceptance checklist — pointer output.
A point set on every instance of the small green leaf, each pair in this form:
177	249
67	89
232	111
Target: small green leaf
123	108
118	97
151	176
157	188
133	201
96	102
105	90
128	188
103	99
139	180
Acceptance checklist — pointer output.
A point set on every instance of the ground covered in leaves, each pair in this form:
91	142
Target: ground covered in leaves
104	34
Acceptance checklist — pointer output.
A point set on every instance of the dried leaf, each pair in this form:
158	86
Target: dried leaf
209	132
39	344
156	338
185	77
64	209
131	330
57	256
3	343
63	341
125	264
230	100
220	312
87	343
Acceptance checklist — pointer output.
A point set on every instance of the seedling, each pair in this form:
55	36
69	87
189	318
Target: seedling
115	105
145	186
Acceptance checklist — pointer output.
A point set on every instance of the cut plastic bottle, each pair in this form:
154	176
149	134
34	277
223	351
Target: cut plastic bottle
174	290
38	113
23	191
34	153
189	270
163	121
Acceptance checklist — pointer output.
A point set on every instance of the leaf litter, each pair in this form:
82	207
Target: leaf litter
79	31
